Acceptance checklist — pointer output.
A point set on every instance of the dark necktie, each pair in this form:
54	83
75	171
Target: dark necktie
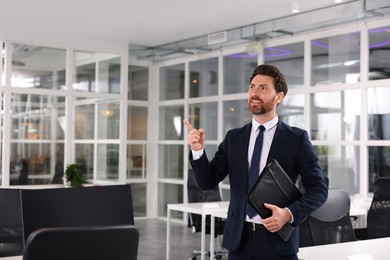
255	165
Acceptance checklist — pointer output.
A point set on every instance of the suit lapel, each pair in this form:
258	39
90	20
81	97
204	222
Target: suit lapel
244	143
279	136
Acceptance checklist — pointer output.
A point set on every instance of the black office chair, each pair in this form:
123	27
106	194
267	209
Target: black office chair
196	194
330	223
11	235
378	216
119	242
58	174
24	171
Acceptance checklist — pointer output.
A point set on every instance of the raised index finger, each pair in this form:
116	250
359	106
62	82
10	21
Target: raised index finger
188	125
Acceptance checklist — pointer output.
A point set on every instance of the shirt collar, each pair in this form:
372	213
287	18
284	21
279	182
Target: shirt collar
267	125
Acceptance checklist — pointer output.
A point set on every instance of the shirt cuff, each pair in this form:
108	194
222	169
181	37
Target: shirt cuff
292	217
197	154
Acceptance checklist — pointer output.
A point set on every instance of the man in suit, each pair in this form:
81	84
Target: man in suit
248	237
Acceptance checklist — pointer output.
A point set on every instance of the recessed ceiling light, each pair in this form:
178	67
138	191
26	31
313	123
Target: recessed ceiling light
295	7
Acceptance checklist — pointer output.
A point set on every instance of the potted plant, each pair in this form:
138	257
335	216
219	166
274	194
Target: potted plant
74	175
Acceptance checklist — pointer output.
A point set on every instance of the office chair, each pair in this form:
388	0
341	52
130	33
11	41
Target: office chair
119	242
330	223
196	194
71	207
11	235
58	174
378	216
24	171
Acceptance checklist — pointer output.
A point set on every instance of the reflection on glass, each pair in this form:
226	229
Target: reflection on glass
205	116
335	115
138	83
108	162
340	164
84	112
108	120
336	59
2	79
289	59
138	192
167	194
172	82
109	76
171	123
237	70
379	56
38	67
290	110
136	161
104	66
85	78
203	77
137	123
33	117
84	157
170	161
30	163
235	114
378	163
378	113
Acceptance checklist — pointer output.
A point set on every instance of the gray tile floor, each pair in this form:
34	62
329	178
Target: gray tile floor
152	244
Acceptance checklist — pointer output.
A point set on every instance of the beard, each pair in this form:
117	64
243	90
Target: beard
262	107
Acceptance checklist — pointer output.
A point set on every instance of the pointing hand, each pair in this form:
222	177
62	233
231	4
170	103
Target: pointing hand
195	136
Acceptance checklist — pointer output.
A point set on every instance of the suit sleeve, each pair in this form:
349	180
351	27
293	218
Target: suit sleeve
316	190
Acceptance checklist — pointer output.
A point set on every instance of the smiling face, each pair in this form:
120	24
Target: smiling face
263	98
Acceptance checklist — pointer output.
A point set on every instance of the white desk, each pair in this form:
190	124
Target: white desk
200	208
378	249
220	213
18	257
359	208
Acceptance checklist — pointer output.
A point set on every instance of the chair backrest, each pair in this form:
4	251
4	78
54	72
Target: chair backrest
58	173
119	242
71	207
330	223
24	171
11	238
378	216
196	194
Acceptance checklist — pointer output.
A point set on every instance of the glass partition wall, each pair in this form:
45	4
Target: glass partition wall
62	106
123	122
338	84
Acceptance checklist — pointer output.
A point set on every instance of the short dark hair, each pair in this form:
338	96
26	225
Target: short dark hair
272	71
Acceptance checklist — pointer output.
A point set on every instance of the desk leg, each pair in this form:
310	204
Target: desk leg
203	237
212	234
168	255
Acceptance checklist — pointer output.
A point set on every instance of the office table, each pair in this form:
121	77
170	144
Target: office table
218	213
377	249
201	208
359	209
18	257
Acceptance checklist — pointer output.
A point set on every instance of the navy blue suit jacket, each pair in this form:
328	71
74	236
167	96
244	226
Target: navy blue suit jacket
293	150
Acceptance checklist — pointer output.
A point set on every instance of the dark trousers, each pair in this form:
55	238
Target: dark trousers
254	246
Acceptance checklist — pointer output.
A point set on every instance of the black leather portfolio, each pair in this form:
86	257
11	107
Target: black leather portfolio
274	187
